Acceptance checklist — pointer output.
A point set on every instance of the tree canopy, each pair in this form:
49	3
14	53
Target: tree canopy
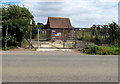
17	19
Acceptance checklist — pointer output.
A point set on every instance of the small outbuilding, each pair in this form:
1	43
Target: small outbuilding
58	28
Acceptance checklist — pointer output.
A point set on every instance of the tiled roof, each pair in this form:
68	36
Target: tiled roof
57	22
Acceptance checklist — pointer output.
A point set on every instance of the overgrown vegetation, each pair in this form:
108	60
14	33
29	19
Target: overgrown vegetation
101	50
107	34
15	25
102	35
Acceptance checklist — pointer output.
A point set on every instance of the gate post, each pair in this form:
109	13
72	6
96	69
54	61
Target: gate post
38	38
75	38
72	37
63	38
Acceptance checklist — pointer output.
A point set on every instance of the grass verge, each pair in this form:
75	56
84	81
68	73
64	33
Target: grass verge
102	50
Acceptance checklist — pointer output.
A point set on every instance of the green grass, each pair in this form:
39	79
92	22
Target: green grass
102	50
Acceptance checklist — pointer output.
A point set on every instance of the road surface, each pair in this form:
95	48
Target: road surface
58	66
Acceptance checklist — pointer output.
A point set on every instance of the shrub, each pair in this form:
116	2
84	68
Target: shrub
98	41
92	50
101	50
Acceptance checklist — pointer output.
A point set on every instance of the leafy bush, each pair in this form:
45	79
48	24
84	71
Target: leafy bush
11	40
97	41
92	50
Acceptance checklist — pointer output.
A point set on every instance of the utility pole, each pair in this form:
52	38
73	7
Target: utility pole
6	37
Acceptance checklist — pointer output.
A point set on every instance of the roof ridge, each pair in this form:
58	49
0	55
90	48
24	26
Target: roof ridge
59	17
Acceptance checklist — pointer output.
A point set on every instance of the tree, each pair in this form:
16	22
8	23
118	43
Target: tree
40	25
93	28
17	19
113	33
95	37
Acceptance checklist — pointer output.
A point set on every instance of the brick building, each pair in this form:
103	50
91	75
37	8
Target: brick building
58	28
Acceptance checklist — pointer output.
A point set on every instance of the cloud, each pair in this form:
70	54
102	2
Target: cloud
82	13
11	0
113	1
3	1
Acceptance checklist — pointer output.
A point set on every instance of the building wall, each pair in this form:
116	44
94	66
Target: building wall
59	34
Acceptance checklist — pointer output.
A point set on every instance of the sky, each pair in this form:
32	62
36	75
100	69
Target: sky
82	13
119	13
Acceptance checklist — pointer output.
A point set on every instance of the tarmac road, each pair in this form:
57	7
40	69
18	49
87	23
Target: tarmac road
58	66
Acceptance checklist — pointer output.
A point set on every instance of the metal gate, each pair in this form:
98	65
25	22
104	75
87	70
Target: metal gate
56	38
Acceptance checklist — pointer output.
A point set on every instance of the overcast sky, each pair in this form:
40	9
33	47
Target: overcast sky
82	13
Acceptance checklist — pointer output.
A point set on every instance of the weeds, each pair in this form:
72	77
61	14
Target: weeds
101	50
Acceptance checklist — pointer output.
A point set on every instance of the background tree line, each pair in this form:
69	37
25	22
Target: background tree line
108	34
101	34
100	39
